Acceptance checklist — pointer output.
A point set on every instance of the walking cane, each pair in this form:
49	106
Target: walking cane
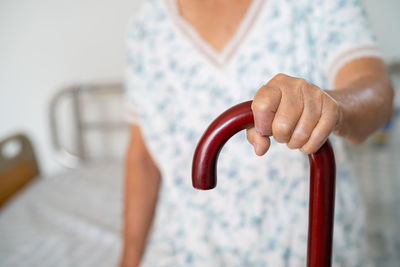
322	181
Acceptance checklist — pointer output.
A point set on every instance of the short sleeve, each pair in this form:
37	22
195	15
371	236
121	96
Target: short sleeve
342	33
134	72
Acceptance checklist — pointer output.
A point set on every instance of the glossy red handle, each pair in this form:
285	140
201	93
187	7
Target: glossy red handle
322	181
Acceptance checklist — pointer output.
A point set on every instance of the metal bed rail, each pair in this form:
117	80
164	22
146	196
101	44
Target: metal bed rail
79	155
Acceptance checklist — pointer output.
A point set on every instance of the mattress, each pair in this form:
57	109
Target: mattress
71	219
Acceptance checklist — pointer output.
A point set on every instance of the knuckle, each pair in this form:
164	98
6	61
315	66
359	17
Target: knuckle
298	139
300	136
302	82
303	86
281	131
280	76
260	104
317	92
319	136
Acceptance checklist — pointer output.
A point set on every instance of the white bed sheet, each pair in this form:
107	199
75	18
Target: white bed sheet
72	219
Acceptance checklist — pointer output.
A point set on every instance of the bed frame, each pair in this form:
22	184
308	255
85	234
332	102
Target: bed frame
77	152
18	162
18	165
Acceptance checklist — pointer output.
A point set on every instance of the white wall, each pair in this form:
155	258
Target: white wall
47	44
385	19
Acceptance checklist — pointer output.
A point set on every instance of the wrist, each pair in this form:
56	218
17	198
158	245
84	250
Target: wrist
340	120
130	257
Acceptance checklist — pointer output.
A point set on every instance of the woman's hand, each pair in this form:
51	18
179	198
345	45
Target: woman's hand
294	112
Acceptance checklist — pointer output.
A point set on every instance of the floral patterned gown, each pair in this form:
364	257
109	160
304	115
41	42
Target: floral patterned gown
177	84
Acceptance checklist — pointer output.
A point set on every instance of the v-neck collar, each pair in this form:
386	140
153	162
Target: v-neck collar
218	58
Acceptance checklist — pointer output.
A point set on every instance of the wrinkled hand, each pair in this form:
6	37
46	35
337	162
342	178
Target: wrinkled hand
294	112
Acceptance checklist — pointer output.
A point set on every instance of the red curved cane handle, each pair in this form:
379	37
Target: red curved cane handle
322	182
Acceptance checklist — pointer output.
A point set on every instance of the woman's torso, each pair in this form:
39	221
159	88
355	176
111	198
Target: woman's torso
257	215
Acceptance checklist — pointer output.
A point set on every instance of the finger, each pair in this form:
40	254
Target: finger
260	143
321	132
264	106
308	120
288	113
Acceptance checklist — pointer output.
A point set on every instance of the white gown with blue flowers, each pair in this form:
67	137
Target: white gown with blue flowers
177	84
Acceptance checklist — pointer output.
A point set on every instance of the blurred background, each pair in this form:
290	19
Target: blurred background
47	45
56	55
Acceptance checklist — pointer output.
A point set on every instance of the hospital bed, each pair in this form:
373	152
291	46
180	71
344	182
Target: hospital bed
74	218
